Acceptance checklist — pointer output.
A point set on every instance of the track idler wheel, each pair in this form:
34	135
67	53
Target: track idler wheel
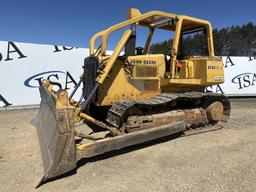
215	111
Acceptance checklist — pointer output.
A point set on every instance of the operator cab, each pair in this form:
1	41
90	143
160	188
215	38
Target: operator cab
183	31
175	55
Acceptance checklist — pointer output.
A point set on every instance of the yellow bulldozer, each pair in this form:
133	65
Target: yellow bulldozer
131	96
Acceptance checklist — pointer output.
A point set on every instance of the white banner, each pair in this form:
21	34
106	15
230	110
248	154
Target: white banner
240	77
23	65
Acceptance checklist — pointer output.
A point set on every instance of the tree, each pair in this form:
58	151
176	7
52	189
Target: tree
229	41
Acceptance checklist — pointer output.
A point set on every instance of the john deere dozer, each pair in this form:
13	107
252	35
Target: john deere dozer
131	96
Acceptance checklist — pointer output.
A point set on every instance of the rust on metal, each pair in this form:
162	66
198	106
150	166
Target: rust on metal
56	136
215	111
56	131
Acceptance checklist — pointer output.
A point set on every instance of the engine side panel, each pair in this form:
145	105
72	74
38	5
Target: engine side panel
137	77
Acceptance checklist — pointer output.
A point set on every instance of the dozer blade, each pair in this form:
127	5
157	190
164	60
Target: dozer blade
56	136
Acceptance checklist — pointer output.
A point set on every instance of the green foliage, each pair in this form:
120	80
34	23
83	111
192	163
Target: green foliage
231	41
161	47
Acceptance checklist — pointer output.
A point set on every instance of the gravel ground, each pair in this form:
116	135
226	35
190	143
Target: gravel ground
223	160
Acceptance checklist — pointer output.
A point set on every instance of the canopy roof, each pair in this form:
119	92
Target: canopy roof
166	21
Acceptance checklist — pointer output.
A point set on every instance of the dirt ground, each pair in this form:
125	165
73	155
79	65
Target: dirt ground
223	160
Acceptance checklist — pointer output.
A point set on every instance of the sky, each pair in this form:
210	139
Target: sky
74	22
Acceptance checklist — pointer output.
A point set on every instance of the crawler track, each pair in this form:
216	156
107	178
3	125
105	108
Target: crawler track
118	113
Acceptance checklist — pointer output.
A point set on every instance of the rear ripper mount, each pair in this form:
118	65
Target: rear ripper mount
62	144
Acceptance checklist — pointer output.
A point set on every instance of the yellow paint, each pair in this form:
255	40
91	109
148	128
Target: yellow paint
132	78
102	76
147	75
118	85
83	145
143	76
